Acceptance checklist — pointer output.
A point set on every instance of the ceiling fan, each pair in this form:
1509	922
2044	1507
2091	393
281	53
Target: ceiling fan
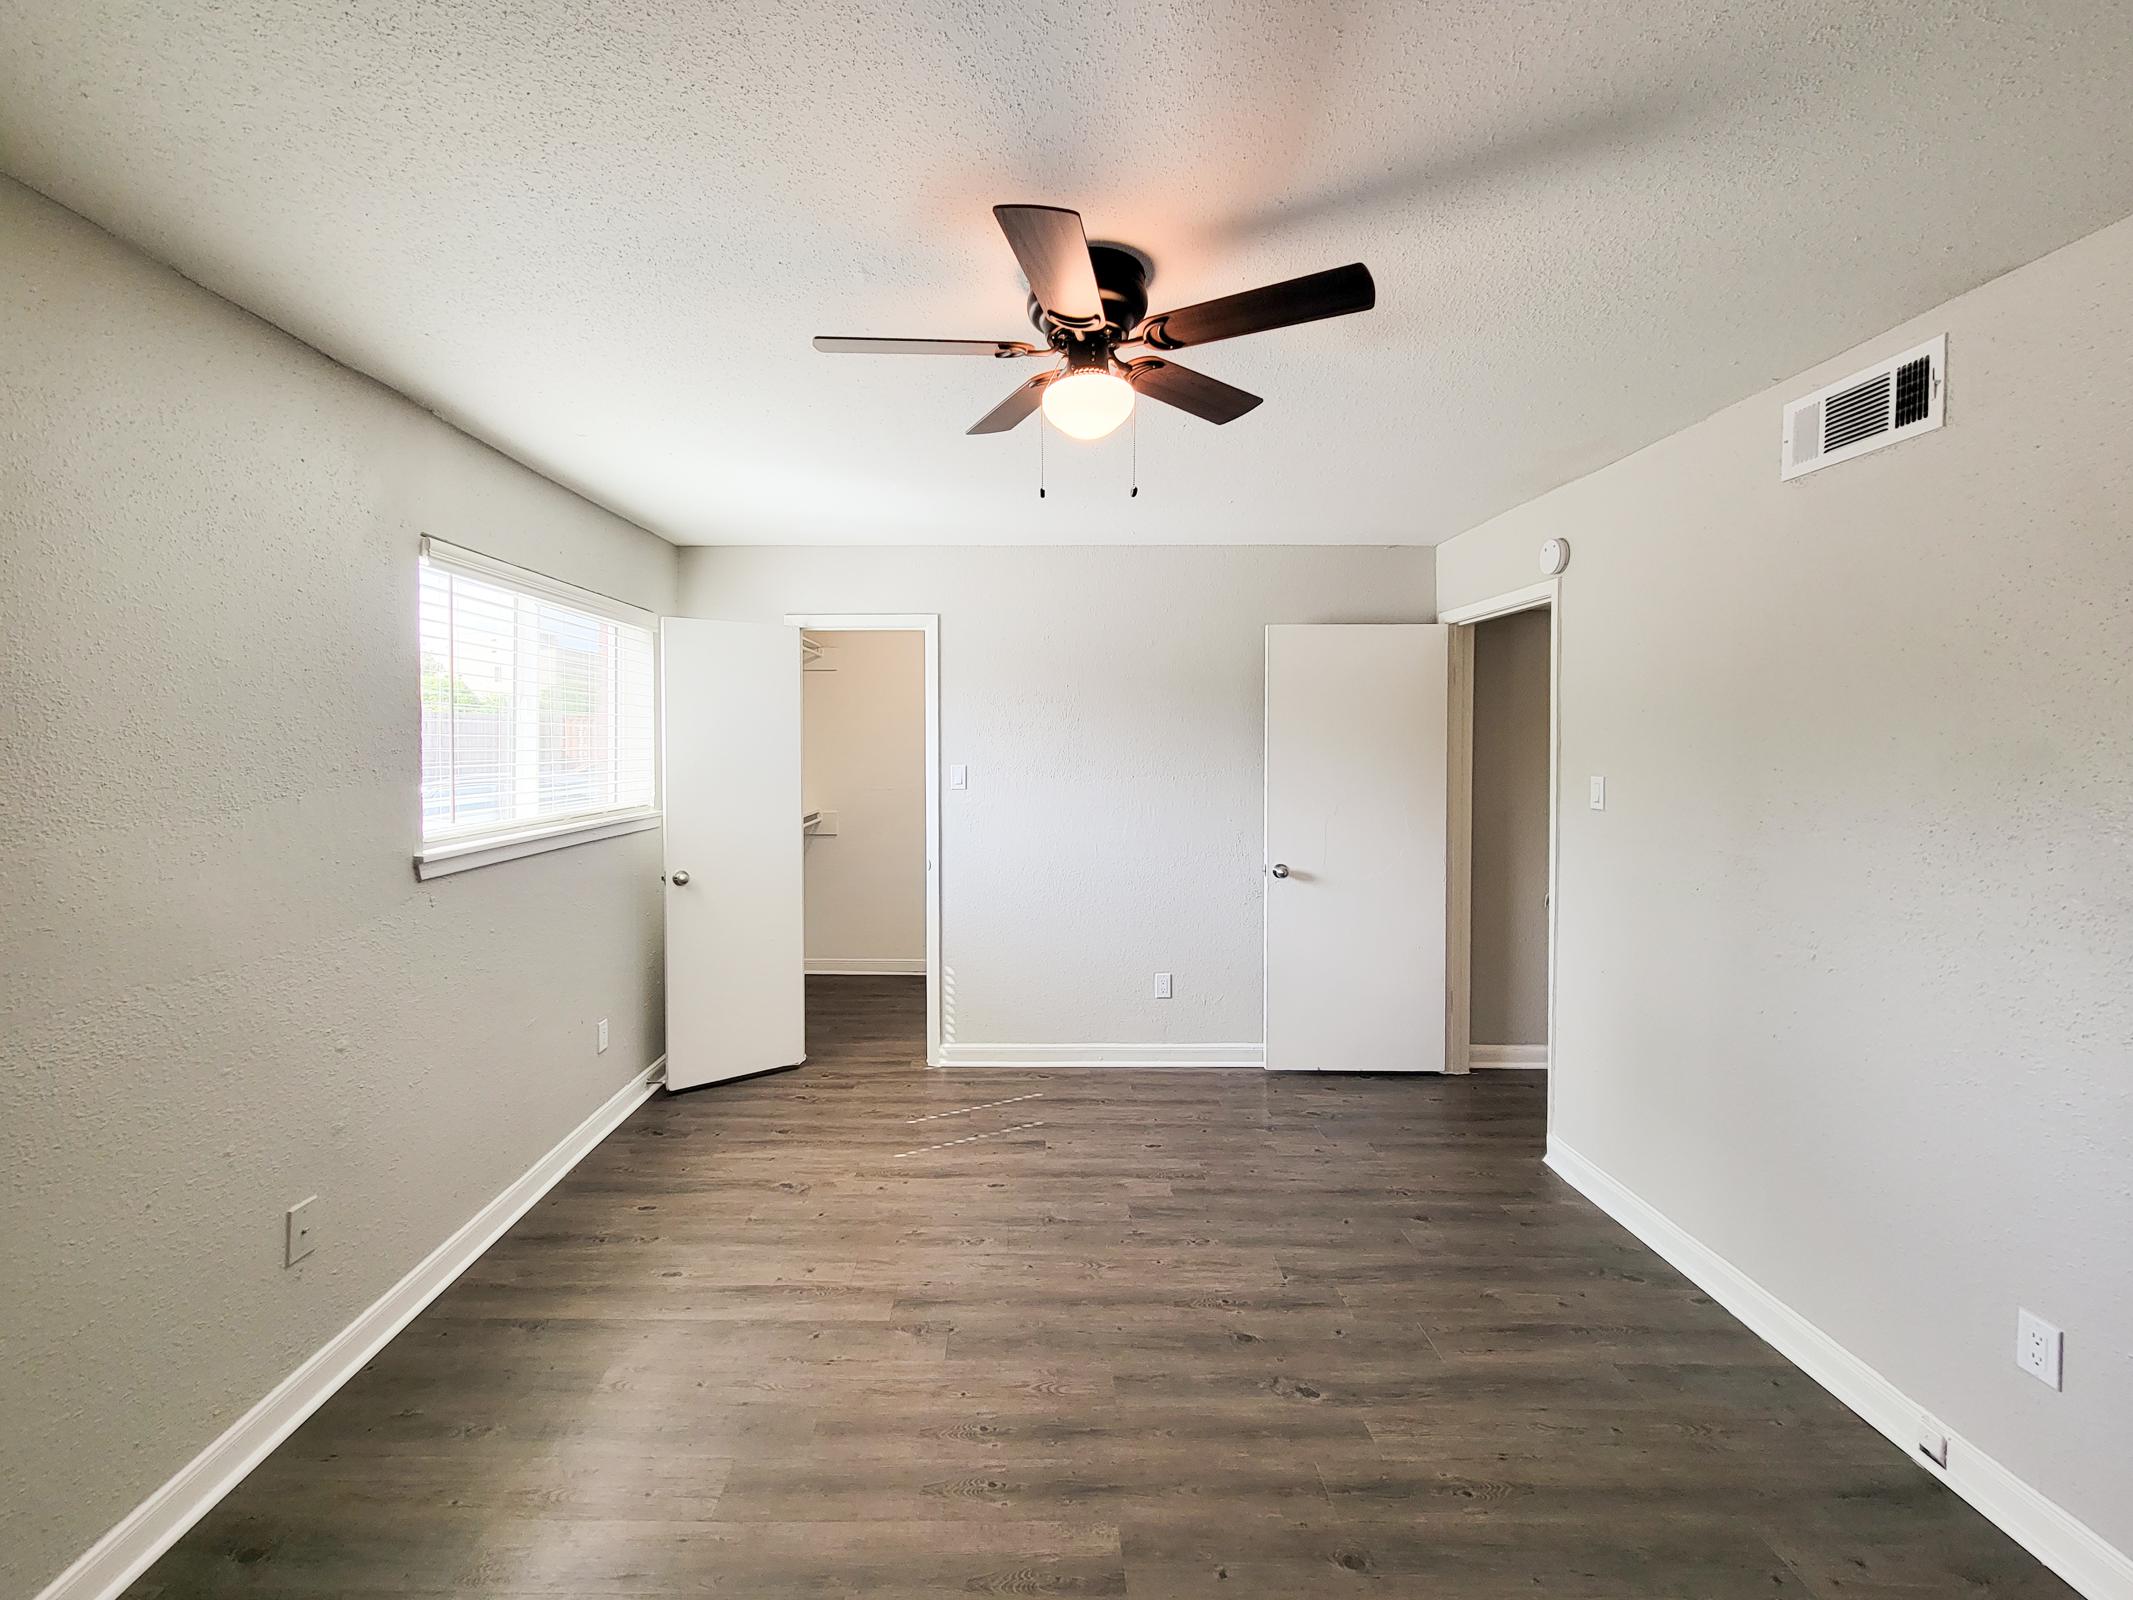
1091	301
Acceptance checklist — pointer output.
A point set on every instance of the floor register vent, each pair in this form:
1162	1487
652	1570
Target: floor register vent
1886	403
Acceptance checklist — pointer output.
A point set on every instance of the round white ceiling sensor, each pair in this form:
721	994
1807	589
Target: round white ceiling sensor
1555	555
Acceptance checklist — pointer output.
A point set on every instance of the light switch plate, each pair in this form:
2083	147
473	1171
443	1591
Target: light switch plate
958	776
299	1240
1599	794
601	1047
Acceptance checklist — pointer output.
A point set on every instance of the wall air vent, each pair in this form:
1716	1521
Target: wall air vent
1888	401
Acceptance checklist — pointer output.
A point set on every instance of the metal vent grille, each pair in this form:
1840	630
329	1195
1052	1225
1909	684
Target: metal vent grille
1914	391
1857	413
1889	401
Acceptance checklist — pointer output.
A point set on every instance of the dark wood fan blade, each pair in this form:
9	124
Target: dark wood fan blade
923	347
1054	253
1010	412
1334	293
1207	398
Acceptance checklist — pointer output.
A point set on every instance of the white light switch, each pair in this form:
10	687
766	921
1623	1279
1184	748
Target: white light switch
1598	801
299	1238
958	776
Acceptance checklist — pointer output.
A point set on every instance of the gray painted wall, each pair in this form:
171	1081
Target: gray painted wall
225	989
1109	704
1845	973
1509	986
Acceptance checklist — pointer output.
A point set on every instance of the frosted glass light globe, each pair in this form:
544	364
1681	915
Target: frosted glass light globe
1087	404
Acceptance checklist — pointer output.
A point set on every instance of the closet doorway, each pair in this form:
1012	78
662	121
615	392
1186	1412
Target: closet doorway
870	804
1505	761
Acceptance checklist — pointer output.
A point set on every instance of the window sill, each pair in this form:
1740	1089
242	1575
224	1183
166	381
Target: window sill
464	855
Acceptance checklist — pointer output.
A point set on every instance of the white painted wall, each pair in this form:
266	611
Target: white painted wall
1509	984
1109	706
863	757
1845	983
225	989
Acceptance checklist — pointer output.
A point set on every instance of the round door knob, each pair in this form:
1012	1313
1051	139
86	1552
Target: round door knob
680	880
1281	869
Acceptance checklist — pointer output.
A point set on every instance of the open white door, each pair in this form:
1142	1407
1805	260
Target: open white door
736	994
1356	741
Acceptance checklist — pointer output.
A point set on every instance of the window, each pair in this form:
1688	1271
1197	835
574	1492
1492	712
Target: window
537	713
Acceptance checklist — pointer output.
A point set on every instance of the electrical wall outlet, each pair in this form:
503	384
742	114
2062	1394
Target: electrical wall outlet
299	1239
2040	1349
1162	986
1932	1441
601	1047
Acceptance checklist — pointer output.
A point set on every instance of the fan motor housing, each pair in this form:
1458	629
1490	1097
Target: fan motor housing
1121	281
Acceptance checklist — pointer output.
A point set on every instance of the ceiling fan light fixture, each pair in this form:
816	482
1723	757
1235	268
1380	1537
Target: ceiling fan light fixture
1090	300
1088	402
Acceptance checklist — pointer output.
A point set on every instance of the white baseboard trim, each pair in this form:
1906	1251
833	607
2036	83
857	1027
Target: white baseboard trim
2072	1549
867	966
124	1553
1103	1055
1507	1055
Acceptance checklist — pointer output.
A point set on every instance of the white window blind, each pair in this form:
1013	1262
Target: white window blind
537	706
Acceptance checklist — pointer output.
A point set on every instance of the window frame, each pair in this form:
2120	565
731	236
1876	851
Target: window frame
462	852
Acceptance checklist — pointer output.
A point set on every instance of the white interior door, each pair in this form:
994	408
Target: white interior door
1356	742
730	708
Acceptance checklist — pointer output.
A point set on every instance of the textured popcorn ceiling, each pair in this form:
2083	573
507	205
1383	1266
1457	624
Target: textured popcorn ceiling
598	235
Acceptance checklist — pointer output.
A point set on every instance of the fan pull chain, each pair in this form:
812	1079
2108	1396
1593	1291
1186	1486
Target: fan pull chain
1040	456
1135	494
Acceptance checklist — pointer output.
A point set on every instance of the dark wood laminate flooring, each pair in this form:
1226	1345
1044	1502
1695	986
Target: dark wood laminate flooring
1181	1333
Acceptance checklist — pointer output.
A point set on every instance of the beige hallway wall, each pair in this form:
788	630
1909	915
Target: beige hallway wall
863	758
1510	850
